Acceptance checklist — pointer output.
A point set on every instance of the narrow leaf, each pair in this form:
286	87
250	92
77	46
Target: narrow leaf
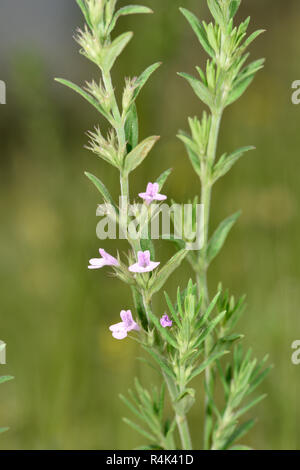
5	378
102	189
226	163
138	428
233	8
139	153
164	273
132	128
86	96
160	362
115	49
200	89
218	239
207	363
239	432
85	12
143	78
129	405
199	31
163	178
249	406
128	10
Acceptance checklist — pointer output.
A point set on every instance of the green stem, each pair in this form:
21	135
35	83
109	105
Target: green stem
181	420
201	275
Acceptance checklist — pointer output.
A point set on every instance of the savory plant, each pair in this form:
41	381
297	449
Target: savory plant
197	331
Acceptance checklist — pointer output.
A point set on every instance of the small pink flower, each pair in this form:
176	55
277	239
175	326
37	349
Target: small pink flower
120	330
105	260
152	194
144	265
165	321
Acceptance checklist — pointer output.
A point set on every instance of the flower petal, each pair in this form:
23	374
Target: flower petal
119	334
126	316
96	263
136	268
117	326
155	188
110	260
160	197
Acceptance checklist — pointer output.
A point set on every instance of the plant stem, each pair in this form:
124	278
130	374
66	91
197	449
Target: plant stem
201	275
181	420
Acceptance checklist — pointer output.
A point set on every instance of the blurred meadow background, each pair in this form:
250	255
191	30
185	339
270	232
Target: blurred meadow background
54	313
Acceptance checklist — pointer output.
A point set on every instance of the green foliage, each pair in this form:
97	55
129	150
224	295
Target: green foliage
159	278
202	331
239	380
219	237
138	154
225	79
148	408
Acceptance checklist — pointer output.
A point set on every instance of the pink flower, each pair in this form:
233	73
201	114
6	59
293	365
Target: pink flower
165	321
105	260
152	194
120	330
144	265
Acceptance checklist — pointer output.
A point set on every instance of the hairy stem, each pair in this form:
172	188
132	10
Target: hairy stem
201	275
181	419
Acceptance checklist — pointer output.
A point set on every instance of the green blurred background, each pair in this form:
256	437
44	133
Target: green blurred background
54	313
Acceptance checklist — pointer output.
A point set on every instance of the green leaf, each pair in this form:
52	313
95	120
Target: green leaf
209	329
86	96
219	237
239	432
139	153
102	189
188	143
200	89
252	37
132	128
199	31
249	406
114	50
143	78
226	162
165	368
233	7
243	81
216	11
85	12
207	363
128	10
139	429
163	178
5	378
239	90
158	281
139	307
210	308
